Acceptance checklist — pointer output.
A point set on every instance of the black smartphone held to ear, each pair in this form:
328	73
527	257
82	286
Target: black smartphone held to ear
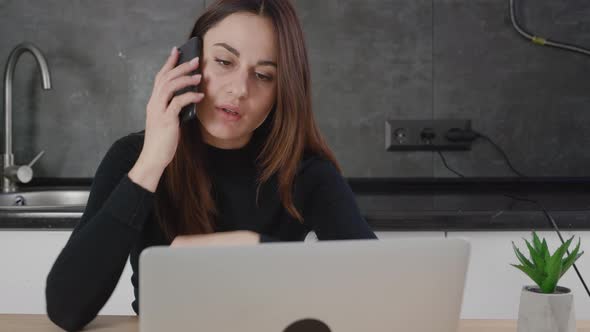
187	52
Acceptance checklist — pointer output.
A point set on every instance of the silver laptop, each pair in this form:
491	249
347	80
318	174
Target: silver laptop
327	286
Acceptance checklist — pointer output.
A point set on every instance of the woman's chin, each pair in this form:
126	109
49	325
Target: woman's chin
222	132
223	136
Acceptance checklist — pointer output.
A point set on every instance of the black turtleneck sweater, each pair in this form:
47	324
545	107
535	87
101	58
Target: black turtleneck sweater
118	222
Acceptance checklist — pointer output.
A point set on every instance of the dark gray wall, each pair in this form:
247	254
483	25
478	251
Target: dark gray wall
370	60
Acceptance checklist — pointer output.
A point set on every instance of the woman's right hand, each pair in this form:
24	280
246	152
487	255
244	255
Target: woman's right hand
162	129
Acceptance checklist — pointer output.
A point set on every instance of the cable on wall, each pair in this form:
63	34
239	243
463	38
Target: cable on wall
540	40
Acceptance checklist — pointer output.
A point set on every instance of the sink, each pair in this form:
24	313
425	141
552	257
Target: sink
43	200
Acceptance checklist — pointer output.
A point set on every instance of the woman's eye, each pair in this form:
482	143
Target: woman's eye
263	77
223	62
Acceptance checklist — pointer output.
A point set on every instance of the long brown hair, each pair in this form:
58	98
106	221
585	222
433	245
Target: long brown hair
184	202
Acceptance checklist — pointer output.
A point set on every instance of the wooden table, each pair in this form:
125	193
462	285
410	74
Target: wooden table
32	323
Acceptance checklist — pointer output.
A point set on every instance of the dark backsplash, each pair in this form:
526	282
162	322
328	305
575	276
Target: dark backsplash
370	60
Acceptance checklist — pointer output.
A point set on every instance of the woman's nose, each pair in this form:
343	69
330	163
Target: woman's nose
239	84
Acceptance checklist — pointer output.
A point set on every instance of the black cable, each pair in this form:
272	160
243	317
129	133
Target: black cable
499	149
551	220
469	135
444	160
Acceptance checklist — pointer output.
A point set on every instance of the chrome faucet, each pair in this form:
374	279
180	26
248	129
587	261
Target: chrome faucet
11	173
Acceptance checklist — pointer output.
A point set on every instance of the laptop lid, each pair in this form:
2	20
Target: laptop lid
326	286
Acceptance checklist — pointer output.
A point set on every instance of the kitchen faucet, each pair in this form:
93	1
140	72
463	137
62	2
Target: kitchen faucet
14	173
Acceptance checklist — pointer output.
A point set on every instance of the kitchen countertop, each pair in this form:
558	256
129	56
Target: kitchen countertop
421	204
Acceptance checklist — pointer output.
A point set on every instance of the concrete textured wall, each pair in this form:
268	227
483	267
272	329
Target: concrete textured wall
371	60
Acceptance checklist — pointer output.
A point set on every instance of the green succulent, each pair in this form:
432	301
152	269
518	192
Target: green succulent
543	268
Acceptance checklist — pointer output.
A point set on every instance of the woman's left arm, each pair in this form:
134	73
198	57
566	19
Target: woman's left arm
330	207
221	238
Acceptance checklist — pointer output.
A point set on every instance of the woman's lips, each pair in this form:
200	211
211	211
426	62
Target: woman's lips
228	116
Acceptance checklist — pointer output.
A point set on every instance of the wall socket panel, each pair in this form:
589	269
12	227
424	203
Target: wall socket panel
423	135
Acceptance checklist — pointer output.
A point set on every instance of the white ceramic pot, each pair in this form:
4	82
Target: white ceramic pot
539	312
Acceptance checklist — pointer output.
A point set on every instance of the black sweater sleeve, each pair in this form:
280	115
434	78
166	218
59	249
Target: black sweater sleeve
88	268
330	207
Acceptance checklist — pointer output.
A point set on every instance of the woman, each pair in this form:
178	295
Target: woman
251	168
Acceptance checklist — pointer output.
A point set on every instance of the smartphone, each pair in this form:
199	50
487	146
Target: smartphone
187	52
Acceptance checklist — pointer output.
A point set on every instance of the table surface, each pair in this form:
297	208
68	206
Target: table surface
28	323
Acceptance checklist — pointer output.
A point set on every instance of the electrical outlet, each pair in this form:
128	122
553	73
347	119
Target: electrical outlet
423	135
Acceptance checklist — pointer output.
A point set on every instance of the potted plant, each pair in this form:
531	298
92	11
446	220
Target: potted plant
546	307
